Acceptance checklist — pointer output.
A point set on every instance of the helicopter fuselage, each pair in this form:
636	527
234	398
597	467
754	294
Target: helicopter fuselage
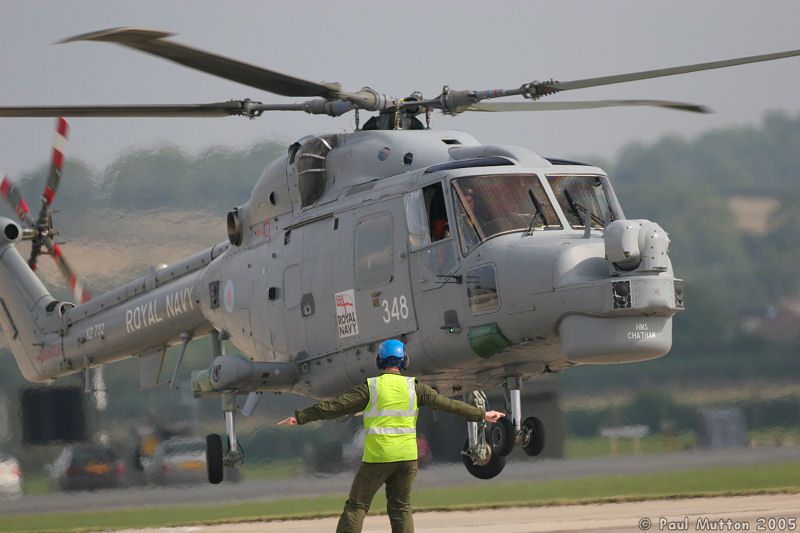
478	257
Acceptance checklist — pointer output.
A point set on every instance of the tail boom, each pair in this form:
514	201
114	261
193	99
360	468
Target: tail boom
50	339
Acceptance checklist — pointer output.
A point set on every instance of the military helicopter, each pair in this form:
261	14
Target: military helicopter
495	265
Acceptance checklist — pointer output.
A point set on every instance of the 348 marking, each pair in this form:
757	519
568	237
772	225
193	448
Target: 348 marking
397	310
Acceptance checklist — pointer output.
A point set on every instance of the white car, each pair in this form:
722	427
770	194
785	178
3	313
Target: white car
10	477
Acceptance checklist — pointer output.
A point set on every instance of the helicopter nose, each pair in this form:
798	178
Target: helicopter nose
610	314
567	287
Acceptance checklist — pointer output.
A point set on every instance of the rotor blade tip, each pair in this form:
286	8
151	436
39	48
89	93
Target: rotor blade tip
122	34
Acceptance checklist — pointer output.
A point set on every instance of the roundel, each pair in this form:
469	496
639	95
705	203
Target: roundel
229	296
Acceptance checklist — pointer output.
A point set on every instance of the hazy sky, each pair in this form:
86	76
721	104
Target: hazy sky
395	47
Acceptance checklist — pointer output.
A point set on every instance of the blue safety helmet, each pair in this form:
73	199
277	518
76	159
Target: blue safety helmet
392	353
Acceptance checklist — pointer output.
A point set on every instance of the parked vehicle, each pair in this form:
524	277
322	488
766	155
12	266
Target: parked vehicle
10	477
86	467
179	460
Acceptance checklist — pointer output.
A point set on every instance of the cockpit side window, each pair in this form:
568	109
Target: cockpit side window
426	215
438	224
584	197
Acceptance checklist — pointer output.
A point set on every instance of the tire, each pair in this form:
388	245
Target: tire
535	444
487	471
214	458
503	435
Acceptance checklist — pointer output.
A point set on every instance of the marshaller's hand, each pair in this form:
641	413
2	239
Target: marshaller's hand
290	421
493	416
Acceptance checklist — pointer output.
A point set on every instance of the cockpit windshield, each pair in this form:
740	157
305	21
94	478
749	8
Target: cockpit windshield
582	197
489	205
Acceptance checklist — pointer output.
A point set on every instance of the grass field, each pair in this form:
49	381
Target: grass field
581	448
742	480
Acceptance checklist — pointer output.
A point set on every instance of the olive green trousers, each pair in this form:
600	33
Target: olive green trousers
398	478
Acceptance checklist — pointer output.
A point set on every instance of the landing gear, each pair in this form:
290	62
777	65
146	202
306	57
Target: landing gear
503	436
216	461
478	454
529	435
532	441
486	448
488	468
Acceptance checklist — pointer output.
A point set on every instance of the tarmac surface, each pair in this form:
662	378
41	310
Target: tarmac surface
778	512
430	476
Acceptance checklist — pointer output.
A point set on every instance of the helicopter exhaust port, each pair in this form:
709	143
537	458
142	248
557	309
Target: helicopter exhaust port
11	230
234	227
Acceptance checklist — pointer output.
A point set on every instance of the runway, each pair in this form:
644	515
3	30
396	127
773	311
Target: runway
741	513
429	477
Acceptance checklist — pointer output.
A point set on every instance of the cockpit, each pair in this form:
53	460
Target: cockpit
486	206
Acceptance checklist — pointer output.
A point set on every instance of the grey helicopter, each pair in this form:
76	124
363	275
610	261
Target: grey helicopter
493	264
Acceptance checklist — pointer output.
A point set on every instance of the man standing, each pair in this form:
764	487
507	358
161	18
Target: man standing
390	405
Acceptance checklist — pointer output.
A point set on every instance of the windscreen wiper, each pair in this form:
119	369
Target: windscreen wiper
539	212
580	210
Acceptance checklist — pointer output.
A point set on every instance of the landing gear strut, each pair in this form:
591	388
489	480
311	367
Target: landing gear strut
528	434
216	461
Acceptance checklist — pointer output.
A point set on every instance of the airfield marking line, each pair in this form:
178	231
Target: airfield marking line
606	517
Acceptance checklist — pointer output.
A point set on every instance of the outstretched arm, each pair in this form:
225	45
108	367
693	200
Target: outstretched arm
352	401
430	398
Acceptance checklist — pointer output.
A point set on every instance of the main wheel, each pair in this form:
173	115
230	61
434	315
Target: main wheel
533	442
503	434
489	470
214	458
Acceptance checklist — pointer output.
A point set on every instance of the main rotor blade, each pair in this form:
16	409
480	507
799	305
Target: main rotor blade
221	109
594	104
154	42
543	88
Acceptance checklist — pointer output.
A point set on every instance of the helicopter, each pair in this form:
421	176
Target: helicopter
493	264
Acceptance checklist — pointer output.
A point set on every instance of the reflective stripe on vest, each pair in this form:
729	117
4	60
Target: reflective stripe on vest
390	420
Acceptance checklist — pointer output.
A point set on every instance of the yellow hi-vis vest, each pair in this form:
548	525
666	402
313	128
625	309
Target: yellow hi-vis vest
390	420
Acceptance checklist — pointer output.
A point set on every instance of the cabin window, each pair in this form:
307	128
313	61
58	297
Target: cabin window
486	206
582	197
374	265
482	290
